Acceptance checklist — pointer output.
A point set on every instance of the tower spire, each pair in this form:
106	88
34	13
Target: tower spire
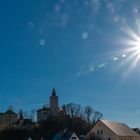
53	92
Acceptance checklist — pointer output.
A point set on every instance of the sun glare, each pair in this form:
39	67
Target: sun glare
133	45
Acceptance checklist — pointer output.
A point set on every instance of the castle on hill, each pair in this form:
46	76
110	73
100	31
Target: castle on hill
51	111
12	119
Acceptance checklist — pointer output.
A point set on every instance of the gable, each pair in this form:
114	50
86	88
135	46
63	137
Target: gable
100	129
74	137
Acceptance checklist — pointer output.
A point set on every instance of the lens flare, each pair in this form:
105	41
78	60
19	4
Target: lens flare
133	45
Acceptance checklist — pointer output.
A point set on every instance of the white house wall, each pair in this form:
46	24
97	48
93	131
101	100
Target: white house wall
106	132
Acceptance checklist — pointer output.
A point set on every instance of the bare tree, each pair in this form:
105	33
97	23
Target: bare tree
97	115
88	110
73	110
64	109
32	115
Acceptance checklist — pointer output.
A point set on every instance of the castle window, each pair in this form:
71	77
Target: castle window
109	139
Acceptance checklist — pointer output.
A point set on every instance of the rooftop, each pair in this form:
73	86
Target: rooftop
9	111
119	129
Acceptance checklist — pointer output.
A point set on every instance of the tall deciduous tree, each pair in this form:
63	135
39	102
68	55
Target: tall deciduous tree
88	110
72	109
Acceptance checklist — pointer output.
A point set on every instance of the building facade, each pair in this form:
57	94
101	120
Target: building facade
8	118
107	130
43	114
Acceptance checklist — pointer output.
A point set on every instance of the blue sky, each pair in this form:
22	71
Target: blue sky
87	49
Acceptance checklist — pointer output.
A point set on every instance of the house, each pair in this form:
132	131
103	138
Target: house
108	130
43	114
7	119
66	135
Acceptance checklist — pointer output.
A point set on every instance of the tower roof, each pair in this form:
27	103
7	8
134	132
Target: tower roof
53	92
20	115
9	111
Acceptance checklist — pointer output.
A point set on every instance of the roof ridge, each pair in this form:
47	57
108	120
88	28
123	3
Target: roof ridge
119	128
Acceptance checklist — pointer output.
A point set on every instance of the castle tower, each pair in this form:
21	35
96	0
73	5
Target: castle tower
54	103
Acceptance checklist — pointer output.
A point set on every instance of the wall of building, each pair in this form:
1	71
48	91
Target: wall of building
102	132
54	105
128	138
7	119
42	115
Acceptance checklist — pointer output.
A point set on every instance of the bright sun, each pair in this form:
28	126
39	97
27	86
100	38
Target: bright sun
133	44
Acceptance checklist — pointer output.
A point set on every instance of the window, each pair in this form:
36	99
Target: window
73	138
98	132
109	139
101	131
